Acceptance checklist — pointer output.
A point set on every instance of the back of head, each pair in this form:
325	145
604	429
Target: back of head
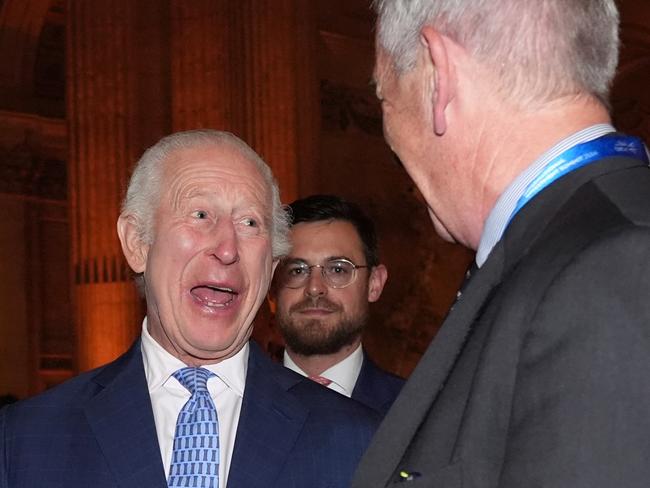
538	50
144	189
318	208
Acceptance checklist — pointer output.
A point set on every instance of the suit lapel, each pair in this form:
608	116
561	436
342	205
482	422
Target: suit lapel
121	418
269	424
422	388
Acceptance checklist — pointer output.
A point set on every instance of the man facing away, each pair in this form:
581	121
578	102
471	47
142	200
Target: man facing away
322	293
192	403
538	376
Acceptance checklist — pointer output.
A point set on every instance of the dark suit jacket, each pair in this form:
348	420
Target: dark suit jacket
375	387
97	431
539	374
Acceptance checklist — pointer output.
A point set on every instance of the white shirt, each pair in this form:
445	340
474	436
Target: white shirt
168	397
343	375
497	221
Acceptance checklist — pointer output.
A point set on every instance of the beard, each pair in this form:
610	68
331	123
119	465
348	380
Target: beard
309	337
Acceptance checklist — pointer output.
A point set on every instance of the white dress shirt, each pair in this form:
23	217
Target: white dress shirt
499	217
343	375
168	397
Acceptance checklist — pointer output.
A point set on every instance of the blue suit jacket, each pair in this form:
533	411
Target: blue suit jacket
97	430
375	387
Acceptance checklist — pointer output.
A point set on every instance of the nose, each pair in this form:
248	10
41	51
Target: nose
225	247
315	285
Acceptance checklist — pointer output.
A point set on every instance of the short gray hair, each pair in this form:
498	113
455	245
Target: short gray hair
539	50
143	192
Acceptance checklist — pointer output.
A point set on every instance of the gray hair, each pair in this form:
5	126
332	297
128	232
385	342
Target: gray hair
143	192
539	50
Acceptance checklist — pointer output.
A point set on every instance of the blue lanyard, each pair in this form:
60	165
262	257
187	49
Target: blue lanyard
581	155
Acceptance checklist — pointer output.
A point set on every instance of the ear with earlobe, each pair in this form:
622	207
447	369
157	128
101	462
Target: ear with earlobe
134	249
438	56
376	282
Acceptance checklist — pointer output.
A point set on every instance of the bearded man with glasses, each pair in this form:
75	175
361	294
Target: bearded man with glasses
322	292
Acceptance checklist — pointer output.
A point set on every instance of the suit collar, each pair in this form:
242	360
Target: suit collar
121	418
269	423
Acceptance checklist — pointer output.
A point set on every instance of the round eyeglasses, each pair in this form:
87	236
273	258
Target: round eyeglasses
337	273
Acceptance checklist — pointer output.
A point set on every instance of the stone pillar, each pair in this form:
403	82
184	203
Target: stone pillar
107	58
203	62
281	86
250	67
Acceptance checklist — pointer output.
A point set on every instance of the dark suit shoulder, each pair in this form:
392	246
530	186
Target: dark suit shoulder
627	191
315	397
321	399
59	411
76	390
50	405
375	387
294	433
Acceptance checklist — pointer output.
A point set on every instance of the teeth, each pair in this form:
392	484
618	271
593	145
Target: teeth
217	288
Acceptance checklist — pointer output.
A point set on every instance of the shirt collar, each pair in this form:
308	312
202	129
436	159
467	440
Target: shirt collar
499	216
344	373
159	365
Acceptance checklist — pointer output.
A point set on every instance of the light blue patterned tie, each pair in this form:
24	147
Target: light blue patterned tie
195	457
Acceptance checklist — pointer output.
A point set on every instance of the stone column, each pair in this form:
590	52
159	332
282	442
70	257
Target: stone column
250	67
202	63
109	54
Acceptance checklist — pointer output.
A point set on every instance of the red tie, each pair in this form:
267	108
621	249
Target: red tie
320	380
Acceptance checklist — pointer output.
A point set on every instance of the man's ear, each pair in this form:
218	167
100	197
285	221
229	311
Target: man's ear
271	300
438	56
376	282
134	249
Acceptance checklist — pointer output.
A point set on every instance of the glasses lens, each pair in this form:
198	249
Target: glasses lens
294	275
339	273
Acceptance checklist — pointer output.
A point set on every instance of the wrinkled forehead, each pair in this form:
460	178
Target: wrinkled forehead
210	162
212	153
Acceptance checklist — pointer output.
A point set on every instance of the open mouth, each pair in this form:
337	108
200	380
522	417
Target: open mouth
213	296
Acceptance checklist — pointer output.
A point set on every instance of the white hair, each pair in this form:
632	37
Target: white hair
143	192
538	50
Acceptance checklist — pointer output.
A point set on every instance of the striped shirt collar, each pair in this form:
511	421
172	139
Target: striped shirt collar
497	221
343	374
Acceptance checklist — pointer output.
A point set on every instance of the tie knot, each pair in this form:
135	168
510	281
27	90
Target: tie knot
194	379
